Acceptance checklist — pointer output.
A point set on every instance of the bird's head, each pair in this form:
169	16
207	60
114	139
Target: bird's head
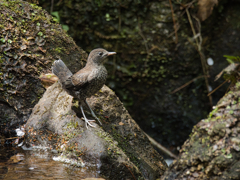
99	55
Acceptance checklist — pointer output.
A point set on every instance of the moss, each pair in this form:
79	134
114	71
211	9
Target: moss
31	39
72	130
212	113
112	148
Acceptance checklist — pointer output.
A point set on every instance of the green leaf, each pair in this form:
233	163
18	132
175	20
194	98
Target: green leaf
40	34
65	27
229	156
232	59
56	15
107	16
2	40
223	151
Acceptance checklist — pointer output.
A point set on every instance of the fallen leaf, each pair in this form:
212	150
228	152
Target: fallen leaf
121	123
205	8
41	49
48	79
23	47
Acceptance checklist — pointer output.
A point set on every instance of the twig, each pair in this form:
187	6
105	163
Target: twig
119	20
130	172
231	84
172	33
198	44
12	138
217	88
191	24
188	5
160	147
186	84
199	24
52	3
174	22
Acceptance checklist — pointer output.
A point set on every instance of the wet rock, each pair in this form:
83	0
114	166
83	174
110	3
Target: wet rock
119	148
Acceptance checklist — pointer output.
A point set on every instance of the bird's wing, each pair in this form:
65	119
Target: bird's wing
68	83
80	79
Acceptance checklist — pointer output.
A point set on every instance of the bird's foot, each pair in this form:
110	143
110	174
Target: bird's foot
96	118
93	114
87	122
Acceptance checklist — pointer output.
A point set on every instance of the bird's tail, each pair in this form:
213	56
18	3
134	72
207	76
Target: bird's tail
61	70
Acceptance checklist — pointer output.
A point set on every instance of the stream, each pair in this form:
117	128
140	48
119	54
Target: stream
16	163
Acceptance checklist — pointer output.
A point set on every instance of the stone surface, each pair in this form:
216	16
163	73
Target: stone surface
119	148
30	41
212	151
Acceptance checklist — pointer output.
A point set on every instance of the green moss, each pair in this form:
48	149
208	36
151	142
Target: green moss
29	40
238	85
58	50
72	129
212	113
112	148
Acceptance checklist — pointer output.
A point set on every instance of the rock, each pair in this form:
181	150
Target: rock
30	41
212	151
119	149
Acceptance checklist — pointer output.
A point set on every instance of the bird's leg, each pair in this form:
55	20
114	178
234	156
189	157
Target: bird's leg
87	121
93	114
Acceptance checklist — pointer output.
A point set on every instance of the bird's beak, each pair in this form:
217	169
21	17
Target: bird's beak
111	53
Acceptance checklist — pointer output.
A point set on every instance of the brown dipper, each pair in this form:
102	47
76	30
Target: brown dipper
87	81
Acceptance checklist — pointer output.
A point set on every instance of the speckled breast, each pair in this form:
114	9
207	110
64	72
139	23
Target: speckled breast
94	85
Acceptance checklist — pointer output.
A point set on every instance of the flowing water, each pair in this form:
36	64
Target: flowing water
16	163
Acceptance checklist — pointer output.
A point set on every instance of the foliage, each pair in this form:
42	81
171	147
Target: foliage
56	18
232	59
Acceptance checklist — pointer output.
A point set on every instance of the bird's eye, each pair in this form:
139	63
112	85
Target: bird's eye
100	53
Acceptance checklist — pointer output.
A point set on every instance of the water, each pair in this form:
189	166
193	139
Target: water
16	163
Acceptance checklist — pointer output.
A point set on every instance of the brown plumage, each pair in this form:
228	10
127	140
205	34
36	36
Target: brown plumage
87	81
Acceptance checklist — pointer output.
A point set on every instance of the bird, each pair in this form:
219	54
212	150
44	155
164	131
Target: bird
87	81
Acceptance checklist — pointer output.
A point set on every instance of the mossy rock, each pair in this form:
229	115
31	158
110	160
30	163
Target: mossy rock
30	41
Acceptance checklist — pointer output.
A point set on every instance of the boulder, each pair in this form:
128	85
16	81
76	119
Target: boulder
212	151
119	149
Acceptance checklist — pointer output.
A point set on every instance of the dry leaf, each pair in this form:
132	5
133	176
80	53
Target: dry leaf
41	49
205	8
121	123
48	79
23	47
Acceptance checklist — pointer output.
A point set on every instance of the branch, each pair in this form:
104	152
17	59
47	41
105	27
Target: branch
160	147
